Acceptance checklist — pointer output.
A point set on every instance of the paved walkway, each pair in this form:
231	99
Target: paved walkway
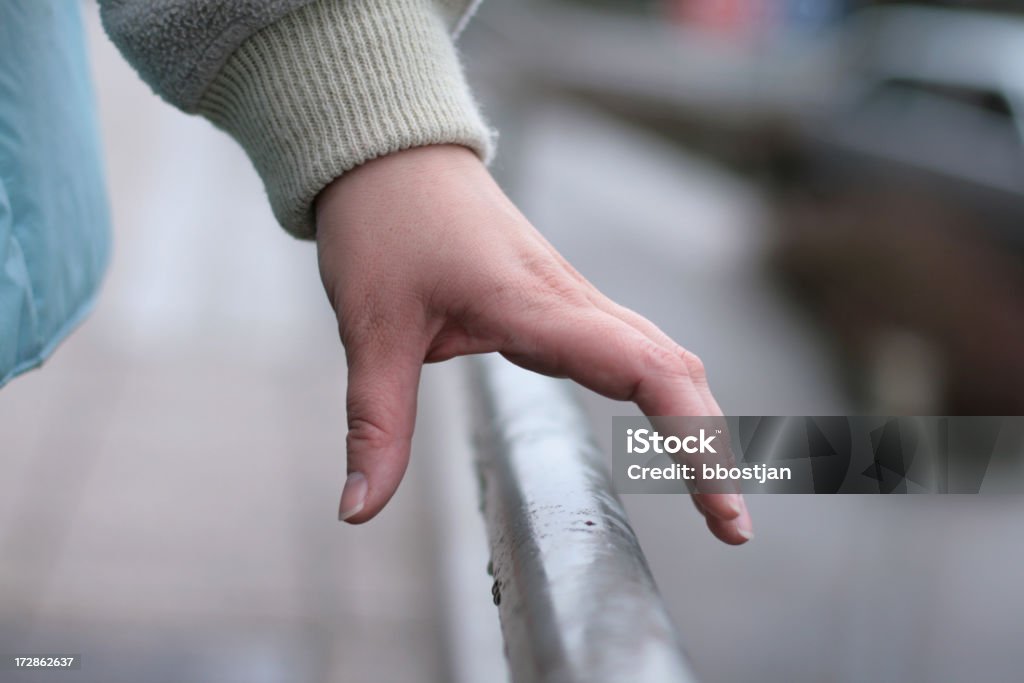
170	477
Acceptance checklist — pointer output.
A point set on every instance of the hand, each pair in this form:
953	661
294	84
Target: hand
424	259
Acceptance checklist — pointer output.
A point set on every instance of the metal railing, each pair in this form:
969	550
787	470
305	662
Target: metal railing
576	598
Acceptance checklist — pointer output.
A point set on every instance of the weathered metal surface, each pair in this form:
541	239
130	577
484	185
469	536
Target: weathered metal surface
574	592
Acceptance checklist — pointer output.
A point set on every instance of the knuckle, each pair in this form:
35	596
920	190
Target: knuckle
694	365
675	361
363	433
659	358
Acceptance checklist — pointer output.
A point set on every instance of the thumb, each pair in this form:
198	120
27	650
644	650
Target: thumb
381	405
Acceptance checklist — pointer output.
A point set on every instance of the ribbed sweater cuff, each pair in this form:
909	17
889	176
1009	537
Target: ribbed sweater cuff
335	84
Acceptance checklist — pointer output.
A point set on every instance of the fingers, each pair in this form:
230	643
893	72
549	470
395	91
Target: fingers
729	509
733	523
625	357
733	532
697	371
383	379
726	515
637	321
608	356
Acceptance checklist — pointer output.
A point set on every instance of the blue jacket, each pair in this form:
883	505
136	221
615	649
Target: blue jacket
54	220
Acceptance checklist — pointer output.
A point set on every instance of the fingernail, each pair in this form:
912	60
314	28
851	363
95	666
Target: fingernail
744	527
353	496
736	503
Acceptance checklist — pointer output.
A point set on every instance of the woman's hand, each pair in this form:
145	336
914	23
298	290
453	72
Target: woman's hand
424	259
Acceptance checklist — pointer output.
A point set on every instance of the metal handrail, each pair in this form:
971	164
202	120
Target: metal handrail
575	596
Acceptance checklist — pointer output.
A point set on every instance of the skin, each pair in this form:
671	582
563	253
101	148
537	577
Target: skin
424	259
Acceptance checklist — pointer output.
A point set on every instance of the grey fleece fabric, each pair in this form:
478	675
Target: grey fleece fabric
179	46
310	88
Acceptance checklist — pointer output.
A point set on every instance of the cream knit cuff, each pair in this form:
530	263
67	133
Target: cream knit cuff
335	84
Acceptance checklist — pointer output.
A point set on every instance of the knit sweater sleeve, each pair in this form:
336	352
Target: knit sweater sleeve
310	89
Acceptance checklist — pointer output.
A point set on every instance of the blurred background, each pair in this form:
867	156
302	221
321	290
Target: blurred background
823	199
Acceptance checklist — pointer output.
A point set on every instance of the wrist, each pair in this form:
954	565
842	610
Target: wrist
428	169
